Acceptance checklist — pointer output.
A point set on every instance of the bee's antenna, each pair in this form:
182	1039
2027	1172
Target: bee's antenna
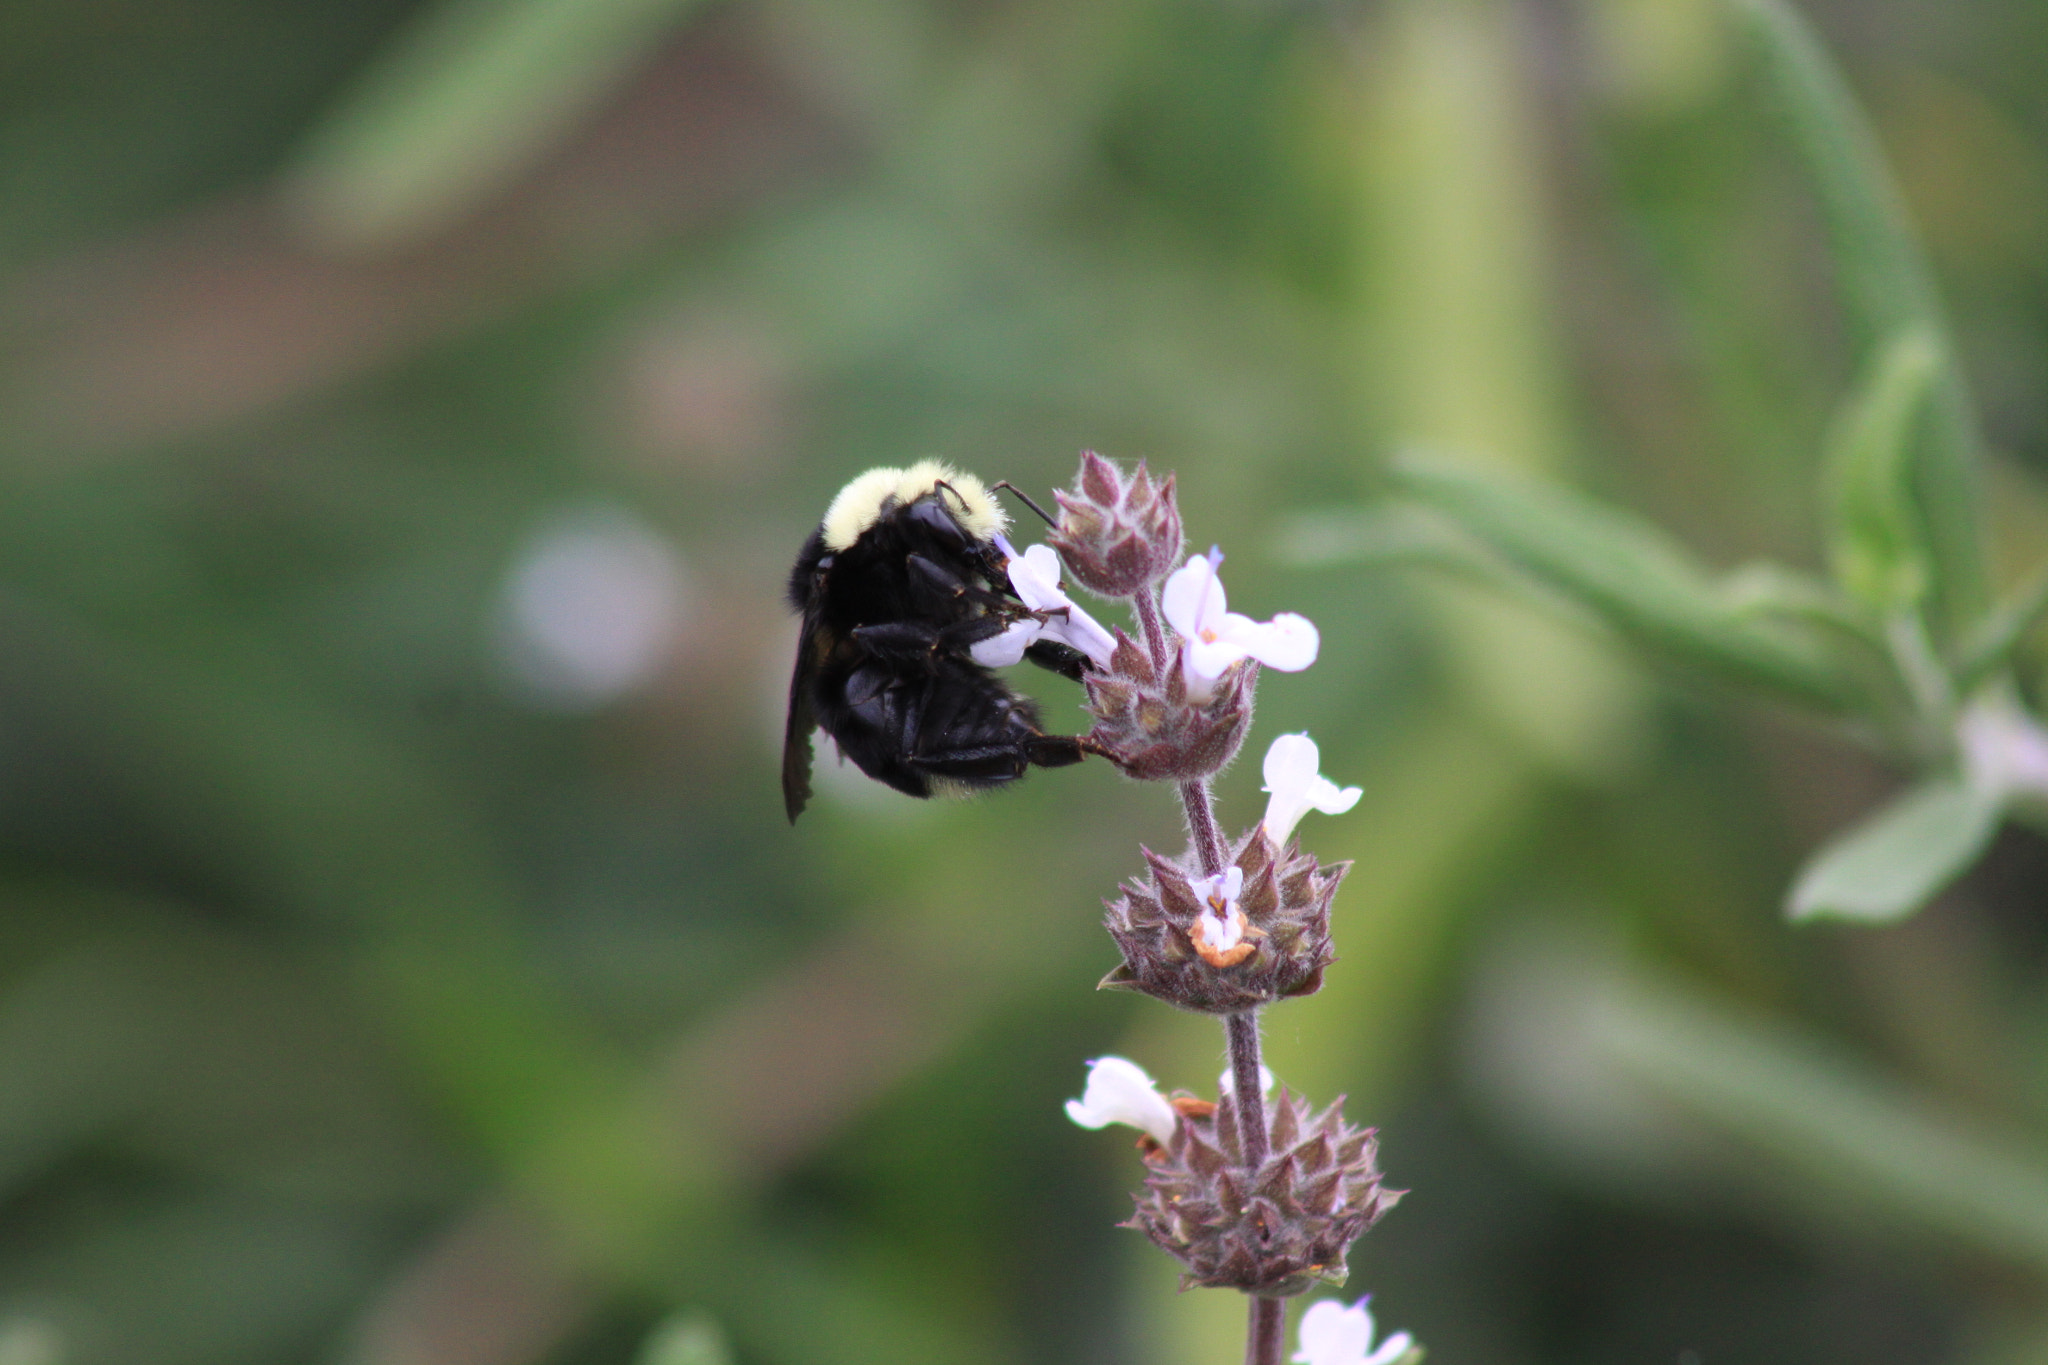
1025	498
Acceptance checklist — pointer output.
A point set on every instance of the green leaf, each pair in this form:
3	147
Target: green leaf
1895	862
1991	645
467	97
1387	535
1635	578
1887	289
1877	539
1774	591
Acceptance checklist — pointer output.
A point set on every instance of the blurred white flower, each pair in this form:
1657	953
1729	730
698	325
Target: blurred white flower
2005	750
1226	1084
1297	787
1119	1091
1035	574
1332	1334
1217	637
591	610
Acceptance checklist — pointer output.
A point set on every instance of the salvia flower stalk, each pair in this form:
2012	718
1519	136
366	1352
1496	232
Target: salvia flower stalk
1257	1194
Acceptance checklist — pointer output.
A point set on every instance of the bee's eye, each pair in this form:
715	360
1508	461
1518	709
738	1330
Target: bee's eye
932	513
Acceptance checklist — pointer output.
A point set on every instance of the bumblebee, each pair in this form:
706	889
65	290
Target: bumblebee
896	587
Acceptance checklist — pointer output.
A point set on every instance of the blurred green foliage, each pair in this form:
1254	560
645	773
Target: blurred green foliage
410	410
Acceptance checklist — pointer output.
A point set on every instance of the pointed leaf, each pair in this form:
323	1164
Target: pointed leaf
1894	863
1631	575
1387	535
1886	286
1877	538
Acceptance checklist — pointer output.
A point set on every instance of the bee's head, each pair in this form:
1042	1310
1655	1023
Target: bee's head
950	500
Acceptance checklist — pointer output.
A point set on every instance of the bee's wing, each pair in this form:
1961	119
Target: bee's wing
796	734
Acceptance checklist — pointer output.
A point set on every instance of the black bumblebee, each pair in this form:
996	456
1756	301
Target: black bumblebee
896	586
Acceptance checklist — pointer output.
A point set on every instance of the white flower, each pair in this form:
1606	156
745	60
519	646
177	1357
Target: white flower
1332	1334
1297	787
1119	1091
1217	637
1219	932
1035	574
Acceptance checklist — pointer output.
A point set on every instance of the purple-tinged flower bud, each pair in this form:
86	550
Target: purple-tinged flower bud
1147	723
1118	534
1221	945
1276	1231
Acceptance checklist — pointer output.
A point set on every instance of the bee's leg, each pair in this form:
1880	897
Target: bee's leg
897	640
1004	760
1061	659
879	712
978	765
940	586
1058	751
913	641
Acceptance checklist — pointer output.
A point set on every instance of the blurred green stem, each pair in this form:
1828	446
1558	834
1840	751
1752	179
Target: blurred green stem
1933	692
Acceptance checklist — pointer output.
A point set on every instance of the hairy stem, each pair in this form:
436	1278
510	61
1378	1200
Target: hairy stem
1147	605
1243	1032
1194	798
1265	1335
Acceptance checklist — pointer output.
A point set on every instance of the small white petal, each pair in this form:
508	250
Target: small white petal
1332	1334
1218	931
1391	1350
1083	632
1035	575
1288	642
1206	659
1227	1082
1119	1091
1008	648
1180	598
1290	761
1327	797
1193	599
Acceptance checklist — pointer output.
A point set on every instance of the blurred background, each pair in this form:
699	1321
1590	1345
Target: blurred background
408	412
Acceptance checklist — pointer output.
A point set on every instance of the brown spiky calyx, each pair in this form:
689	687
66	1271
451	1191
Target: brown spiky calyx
1147	724
1118	533
1286	905
1278	1231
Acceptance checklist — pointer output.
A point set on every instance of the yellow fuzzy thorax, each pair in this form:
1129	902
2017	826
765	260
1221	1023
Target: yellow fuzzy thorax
861	503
